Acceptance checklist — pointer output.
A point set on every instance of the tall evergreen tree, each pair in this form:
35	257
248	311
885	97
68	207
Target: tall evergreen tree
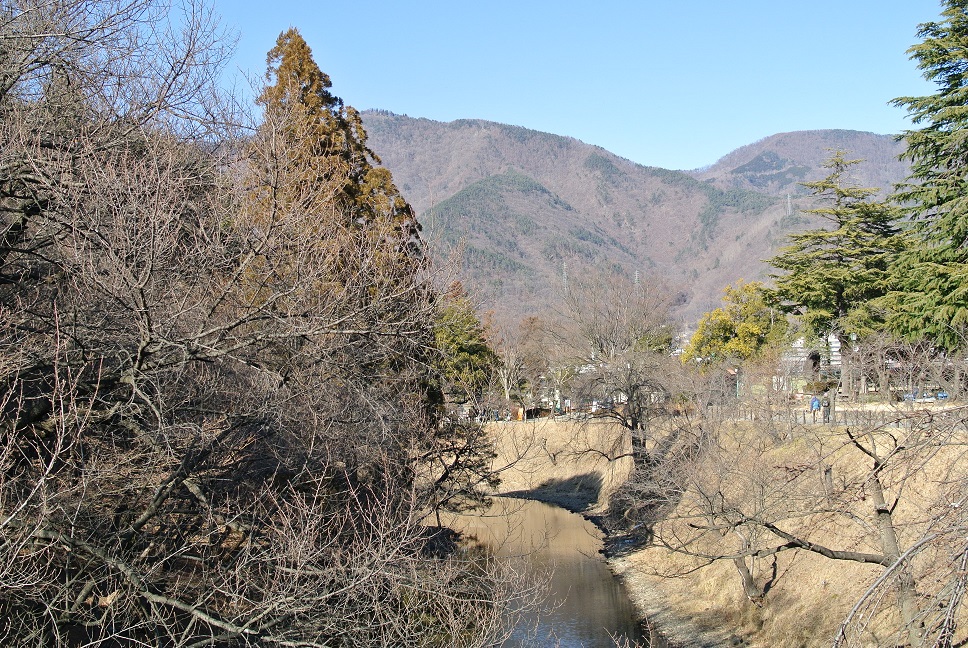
326	142
832	275
467	362
932	299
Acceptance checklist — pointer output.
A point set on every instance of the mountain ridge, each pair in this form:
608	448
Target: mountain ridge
523	205
778	163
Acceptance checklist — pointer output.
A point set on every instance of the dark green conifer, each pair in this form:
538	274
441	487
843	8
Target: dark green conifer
834	275
932	296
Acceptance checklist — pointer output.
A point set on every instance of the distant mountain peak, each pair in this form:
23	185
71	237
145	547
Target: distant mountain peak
520	203
779	163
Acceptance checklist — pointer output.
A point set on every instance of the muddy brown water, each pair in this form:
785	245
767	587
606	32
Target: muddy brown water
589	607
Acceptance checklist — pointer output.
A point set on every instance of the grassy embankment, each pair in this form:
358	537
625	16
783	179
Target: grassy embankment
576	465
696	603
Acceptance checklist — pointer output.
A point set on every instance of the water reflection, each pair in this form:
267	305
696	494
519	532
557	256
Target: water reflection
588	603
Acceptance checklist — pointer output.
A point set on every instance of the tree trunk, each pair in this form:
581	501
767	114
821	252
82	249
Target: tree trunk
884	378
907	594
828	480
752	592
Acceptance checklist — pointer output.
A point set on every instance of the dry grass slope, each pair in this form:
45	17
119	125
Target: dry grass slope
809	595
696	602
562	462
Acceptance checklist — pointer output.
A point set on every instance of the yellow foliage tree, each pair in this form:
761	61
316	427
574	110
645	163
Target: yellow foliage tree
739	330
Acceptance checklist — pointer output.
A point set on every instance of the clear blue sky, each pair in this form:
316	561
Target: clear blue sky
672	84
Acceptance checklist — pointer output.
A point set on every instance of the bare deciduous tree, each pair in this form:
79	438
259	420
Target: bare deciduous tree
885	491
620	335
214	406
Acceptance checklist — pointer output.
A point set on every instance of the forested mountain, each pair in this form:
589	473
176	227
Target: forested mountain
532	208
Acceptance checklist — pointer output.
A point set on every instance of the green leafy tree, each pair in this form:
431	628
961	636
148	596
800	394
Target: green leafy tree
932	296
739	330
832	275
467	362
458	459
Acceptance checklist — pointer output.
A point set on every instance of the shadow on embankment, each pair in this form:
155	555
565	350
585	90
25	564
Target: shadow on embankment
578	494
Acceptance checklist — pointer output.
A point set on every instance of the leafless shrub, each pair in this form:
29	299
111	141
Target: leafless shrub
884	492
213	406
